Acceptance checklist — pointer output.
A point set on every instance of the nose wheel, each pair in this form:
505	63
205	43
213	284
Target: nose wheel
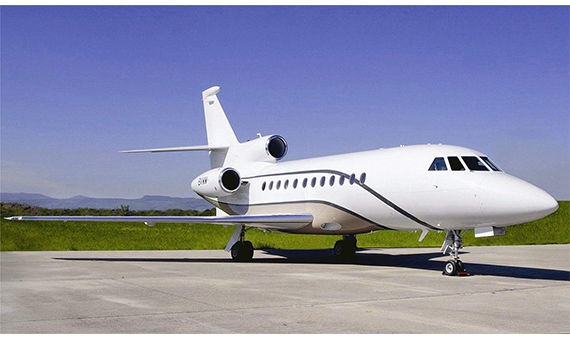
452	245
454	268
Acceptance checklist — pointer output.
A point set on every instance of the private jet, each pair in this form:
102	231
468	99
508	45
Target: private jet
423	188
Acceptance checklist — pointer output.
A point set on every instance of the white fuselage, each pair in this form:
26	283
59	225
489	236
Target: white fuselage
398	192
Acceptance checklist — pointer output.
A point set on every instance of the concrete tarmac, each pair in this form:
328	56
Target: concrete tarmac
515	289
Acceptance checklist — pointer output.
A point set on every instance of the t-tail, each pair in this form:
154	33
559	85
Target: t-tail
223	145
220	133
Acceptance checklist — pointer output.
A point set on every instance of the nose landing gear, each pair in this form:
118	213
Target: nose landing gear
451	246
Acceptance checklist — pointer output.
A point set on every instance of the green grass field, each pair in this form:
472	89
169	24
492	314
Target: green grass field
52	236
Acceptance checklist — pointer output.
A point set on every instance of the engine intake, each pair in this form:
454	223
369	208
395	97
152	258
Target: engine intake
217	182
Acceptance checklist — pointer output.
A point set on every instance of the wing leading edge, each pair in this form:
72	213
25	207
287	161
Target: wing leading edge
269	222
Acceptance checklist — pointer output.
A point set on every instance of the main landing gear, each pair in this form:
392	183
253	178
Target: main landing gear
451	246
242	250
345	248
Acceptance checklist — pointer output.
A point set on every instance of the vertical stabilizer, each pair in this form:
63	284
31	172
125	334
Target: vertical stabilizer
218	128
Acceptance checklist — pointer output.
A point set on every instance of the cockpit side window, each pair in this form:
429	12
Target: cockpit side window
490	163
455	164
474	164
438	164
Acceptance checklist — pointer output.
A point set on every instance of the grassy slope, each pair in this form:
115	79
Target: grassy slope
38	236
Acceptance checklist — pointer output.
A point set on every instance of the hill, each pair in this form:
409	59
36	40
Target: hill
147	202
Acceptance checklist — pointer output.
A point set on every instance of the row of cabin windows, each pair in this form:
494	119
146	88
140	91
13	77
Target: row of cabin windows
313	183
472	162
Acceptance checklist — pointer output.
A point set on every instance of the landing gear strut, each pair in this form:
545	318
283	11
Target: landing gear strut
346	247
451	246
242	250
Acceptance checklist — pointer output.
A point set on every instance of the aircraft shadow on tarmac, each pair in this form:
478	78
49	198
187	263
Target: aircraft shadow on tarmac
421	261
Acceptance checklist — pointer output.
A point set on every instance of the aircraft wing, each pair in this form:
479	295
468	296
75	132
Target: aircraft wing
269	222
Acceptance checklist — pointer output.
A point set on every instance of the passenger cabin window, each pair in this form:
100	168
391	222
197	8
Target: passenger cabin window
331	181
270	185
286	184
278	185
313	182
352	179
438	164
455	164
490	163
323	179
362	178
341	180
263	186
474	164
295	183
305	183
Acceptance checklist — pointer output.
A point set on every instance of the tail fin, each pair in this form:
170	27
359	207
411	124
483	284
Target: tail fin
221	136
218	128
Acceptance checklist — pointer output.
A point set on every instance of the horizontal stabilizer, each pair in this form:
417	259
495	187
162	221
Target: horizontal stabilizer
188	148
270	222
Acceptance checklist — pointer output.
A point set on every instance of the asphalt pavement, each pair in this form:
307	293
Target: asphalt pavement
512	289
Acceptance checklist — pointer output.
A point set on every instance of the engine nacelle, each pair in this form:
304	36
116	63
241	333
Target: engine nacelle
217	182
264	149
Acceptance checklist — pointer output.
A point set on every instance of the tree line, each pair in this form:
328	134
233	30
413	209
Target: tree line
17	209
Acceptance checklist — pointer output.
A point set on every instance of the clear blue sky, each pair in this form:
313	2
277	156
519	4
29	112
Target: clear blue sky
79	84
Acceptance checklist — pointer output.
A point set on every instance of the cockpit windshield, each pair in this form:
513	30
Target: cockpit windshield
474	163
438	164
490	163
455	163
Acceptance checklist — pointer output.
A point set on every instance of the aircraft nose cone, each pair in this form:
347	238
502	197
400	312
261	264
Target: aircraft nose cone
509	200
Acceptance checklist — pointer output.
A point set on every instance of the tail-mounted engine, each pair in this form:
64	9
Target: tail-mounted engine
217	182
276	147
264	149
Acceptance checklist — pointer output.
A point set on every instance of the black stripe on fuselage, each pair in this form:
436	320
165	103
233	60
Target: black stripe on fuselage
336	206
362	185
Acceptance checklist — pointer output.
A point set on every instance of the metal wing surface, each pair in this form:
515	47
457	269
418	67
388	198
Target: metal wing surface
270	222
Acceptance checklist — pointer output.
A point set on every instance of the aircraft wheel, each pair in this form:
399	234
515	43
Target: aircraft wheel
344	249
349	248
236	250
460	266
339	249
242	252
450	268
248	252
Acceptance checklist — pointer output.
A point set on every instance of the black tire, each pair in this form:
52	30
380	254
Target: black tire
242	252
349	248
344	249
236	251
339	249
248	251
450	268
460	266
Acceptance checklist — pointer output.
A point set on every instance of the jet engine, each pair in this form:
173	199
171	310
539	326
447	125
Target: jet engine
269	148
219	182
276	147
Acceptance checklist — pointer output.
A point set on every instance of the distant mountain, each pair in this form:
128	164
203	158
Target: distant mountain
148	202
